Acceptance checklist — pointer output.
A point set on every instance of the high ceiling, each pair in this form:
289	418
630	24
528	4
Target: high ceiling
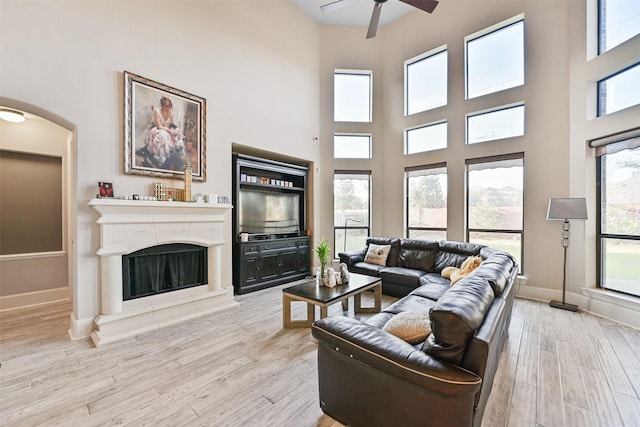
357	13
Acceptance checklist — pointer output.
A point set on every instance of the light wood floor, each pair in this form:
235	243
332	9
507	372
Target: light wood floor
240	368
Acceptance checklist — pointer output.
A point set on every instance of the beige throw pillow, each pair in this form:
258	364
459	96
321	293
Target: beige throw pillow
377	254
411	326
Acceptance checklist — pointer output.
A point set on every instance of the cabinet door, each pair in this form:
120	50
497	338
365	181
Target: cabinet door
303	260
250	270
288	262
270	266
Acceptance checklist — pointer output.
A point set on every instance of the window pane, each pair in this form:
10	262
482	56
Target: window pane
621	193
619	21
351	199
508	242
499	124
426	138
495	61
352	97
352	146
619	91
427	234
426	83
356	239
620	265
427	199
495	195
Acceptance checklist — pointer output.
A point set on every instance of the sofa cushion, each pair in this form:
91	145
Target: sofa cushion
411	326
417	254
453	254
392	259
366	268
409	303
377	254
456	316
432	286
402	276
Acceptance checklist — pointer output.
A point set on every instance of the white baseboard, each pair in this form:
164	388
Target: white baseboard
28	299
601	303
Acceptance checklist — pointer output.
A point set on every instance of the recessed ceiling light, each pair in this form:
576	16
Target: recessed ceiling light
12	116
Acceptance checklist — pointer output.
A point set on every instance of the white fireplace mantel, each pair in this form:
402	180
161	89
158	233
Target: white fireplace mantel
127	226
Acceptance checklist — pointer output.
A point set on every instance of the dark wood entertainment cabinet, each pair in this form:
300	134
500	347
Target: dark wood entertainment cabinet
277	253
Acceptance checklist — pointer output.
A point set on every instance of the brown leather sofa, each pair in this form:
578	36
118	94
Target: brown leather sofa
369	377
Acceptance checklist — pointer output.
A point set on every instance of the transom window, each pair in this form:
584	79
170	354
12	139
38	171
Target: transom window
426	81
618	21
352	146
619	91
504	122
426	207
495	58
495	203
351	210
426	138
352	95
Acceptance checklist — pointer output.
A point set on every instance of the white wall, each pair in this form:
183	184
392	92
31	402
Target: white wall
255	62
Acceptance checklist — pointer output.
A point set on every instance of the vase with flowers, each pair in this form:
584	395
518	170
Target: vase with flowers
322	250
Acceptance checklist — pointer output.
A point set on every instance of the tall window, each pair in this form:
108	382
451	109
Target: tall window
426	208
619	216
426	81
495	58
351	210
495	203
504	122
425	138
619	91
352	95
618	21
352	146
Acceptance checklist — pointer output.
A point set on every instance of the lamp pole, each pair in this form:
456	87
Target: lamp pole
344	248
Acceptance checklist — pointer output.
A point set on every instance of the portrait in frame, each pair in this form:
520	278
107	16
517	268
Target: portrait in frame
164	129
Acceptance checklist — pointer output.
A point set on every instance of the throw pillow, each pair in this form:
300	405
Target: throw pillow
411	326
377	254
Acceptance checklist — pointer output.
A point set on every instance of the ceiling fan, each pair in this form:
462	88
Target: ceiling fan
426	5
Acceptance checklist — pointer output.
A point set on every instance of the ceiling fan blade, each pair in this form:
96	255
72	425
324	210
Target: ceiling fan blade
375	18
335	5
426	5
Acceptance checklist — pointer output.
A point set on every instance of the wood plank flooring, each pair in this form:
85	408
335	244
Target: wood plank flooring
239	367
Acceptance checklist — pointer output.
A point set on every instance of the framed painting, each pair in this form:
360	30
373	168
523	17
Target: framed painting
164	129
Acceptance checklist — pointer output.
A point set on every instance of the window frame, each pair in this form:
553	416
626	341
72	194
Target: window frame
369	74
468	230
601	237
407	171
495	110
600	102
487	32
436	123
347	227
420	58
353	134
601	43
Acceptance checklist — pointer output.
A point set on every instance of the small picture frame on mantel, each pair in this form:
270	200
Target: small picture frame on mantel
105	189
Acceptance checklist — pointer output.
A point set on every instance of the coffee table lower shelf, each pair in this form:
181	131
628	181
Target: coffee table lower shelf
313	296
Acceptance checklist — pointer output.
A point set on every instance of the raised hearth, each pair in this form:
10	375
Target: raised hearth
129	226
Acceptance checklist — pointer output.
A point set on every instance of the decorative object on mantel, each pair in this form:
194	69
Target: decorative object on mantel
105	189
165	128
564	210
188	171
323	250
167	194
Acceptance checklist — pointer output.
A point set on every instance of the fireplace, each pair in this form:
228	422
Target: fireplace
173	251
163	268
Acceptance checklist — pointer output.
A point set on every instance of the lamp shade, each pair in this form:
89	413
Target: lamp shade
562	209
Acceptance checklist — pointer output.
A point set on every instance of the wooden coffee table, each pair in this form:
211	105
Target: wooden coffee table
323	297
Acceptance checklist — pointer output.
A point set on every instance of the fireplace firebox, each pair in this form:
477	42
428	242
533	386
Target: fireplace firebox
163	268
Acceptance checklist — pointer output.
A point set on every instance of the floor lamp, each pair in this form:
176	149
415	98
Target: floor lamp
564	210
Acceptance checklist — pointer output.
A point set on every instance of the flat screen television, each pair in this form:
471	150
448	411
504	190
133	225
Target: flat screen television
268	213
